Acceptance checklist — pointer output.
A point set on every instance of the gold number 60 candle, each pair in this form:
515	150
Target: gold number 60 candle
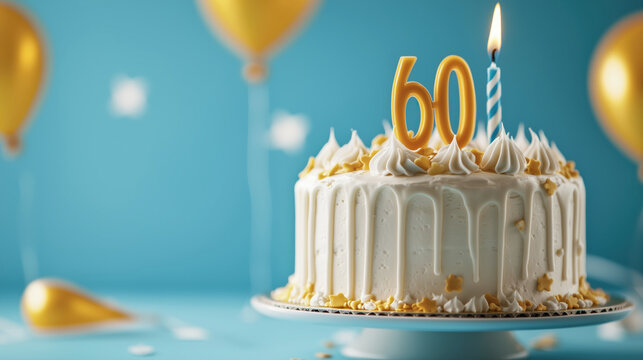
404	89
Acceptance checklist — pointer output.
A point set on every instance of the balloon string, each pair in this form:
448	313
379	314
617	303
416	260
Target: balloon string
259	187
27	249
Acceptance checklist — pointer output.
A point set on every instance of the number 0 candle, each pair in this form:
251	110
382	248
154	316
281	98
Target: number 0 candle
494	88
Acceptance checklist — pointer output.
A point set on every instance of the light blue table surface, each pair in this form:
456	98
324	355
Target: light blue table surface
237	332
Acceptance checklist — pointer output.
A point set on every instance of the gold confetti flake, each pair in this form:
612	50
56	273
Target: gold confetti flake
491	299
545	342
322	355
520	224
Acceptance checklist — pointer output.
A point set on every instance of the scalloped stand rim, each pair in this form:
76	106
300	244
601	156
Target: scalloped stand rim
412	336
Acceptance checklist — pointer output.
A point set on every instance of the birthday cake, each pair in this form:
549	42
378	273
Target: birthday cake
440	225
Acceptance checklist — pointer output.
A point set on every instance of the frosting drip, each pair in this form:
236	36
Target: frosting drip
458	162
541	151
350	152
395	159
323	159
503	156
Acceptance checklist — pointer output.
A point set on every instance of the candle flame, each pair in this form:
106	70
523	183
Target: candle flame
495	34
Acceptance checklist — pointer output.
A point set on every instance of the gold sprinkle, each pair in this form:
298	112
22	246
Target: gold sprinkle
322	355
478	154
378	140
520	224
423	162
572	302
411	133
545	342
544	283
491	299
436	169
425	151
560	252
494	308
350	167
541	307
426	306
550	187
337	301
332	171
309	166
568	169
453	283
533	166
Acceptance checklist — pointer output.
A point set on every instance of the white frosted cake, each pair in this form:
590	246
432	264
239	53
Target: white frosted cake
490	227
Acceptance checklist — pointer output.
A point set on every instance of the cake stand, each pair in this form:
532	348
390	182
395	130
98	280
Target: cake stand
392	335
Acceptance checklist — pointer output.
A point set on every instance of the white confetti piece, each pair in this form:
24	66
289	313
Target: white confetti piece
141	350
288	131
129	96
190	333
612	331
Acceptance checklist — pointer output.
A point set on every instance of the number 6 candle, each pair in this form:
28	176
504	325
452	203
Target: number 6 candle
494	88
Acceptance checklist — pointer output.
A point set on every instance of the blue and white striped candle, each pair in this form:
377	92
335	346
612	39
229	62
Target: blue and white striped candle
494	88
494	92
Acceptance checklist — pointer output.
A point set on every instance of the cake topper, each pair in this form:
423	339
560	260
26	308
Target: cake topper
404	89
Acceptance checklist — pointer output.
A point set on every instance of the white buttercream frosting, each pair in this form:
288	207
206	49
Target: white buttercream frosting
323	160
559	154
503	156
521	139
454	306
470	306
395	159
481	141
483	305
542	152
435	141
513	307
439	299
458	162
350	152
370	305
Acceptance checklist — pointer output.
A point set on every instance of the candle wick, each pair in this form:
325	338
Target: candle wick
493	55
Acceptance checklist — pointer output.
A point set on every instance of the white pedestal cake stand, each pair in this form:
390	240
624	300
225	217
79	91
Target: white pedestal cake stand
391	335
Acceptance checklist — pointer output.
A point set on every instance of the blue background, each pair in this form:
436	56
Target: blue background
162	200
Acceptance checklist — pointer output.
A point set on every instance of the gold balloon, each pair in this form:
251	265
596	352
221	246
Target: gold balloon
616	85
22	66
255	28
55	306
